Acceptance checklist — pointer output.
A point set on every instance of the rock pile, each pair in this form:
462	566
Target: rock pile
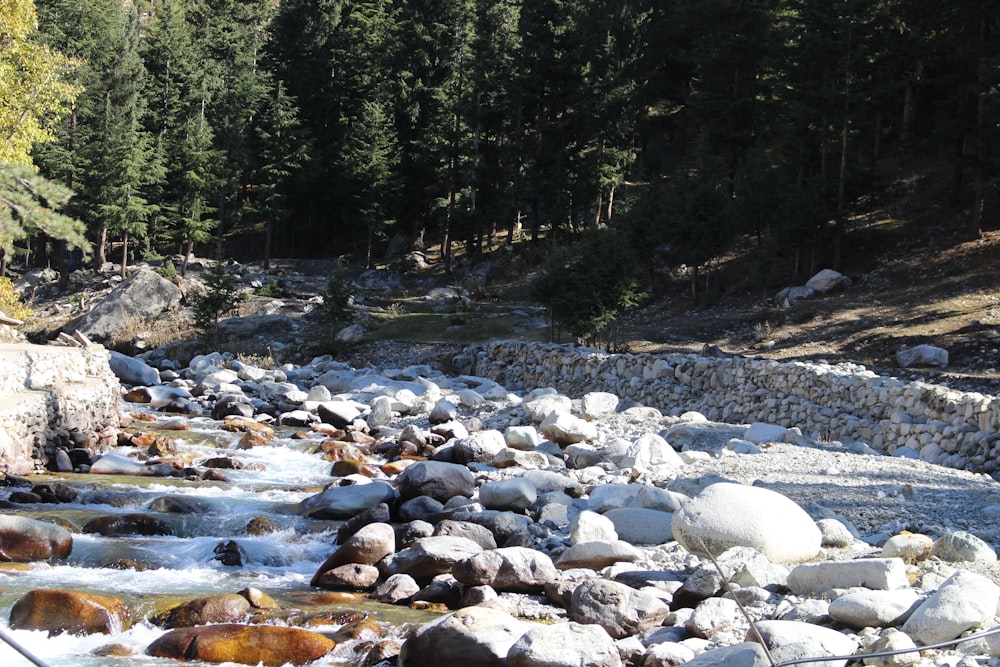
641	538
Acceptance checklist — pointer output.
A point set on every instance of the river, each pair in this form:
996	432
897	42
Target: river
155	573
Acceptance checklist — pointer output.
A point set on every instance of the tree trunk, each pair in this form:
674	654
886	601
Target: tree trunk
63	260
124	254
269	233
188	249
221	231
99	250
976	229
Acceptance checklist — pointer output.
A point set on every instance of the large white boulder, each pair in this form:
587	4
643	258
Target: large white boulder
728	515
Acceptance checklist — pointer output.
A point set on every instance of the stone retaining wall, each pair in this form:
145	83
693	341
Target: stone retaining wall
51	397
843	402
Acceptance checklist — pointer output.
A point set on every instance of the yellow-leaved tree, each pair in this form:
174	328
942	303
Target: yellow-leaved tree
35	92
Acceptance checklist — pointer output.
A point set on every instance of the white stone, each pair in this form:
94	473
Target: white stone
564	645
964	601
641	526
590	526
524	438
886	574
814	639
870	608
566	429
727	515
761	433
648	451
598	404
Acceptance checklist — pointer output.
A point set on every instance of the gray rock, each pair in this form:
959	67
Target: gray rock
430	556
597	554
367	546
965	600
827	280
343	502
397	589
515	569
477	636
814	640
524	438
962	546
441	481
650	451
337	413
834	533
145	295
747	654
922	355
598	404
479	447
702	436
641	526
133	371
564	645
877	609
515	494
619	609
886	574
564	428
611	496
589	526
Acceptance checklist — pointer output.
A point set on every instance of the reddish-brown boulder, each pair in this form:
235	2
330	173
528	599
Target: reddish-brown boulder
269	645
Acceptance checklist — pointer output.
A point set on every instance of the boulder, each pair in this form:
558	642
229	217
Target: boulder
747	654
524	438
827	280
792	640
885	574
474	636
116	464
648	451
610	496
431	556
75	612
790	296
24	540
350	577
399	588
962	546
339	414
367	546
564	645
876	609
479	447
132	371
226	608
133	523
269	645
145	295
641	526
515	494
437	479
343	502
598	404
564	428
597	554
964	601
619	609
589	526
515	569
922	355
727	515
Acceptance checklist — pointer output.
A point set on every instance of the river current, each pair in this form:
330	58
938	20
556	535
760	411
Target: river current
154	573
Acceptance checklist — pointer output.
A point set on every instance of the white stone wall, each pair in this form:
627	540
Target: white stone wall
53	396
830	402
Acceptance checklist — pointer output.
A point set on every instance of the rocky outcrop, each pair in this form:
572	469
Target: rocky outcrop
52	396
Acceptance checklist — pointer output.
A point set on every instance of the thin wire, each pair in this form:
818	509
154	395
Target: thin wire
20	649
885	654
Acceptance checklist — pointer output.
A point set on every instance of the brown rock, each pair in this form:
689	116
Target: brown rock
367	546
25	540
59	611
244	644
352	576
227	608
137	523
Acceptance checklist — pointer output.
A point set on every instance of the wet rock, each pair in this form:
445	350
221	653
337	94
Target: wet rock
75	612
619	609
342	502
232	405
367	546
229	553
115	464
727	515
269	645
564	645
353	577
179	505
399	588
137	523
228	608
472	636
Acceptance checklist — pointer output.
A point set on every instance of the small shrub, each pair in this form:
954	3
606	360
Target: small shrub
11	304
338	295
167	270
221	297
271	290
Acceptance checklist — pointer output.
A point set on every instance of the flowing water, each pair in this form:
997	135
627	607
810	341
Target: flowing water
155	573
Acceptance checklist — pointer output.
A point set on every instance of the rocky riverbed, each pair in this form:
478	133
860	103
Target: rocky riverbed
544	529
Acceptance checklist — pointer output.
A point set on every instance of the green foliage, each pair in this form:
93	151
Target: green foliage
29	203
271	289
221	297
335	311
587	286
167	270
10	303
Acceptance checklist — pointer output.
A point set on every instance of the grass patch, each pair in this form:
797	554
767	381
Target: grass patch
456	328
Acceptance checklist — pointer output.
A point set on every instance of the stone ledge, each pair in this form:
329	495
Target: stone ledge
51	397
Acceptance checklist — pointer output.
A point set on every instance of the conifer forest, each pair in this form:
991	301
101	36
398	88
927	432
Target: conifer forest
254	129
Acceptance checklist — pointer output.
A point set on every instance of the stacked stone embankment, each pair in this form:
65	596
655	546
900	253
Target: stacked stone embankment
845	402
51	397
